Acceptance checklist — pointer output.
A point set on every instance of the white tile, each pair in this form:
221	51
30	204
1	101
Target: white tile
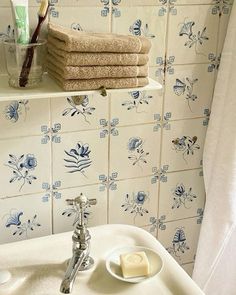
64	215
192	33
134	151
182	195
94	19
136	107
134	201
79	158
85	114
183	143
24	166
21	117
180	238
25	217
147	21
189	91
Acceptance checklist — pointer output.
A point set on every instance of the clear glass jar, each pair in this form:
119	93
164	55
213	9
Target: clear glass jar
25	63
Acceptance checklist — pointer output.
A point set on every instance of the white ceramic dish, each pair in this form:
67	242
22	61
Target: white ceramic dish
113	263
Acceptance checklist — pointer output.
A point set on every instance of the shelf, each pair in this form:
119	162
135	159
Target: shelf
48	89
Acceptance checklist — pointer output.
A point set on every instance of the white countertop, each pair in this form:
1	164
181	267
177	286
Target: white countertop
38	265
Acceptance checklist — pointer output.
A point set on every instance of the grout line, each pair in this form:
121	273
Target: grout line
51	165
163	109
109	158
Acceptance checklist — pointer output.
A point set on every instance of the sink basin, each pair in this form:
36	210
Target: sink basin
38	265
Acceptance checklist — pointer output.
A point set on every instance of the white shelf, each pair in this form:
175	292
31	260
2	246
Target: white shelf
48	88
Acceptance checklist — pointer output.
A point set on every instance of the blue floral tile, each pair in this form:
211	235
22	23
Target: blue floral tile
77	18
79	158
19	220
24	166
136	107
82	112
189	91
20	117
65	216
192	33
134	151
134	202
183	143
146	21
182	195
180	239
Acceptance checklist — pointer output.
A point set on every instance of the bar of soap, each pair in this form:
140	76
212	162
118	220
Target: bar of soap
134	264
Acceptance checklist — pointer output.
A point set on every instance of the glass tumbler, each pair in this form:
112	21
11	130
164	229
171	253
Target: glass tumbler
25	63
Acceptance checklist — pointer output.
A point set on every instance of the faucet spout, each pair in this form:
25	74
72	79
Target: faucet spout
81	244
71	272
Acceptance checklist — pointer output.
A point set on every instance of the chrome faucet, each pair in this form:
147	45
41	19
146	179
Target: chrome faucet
81	244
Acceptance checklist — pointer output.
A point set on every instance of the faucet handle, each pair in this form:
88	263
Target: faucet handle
81	201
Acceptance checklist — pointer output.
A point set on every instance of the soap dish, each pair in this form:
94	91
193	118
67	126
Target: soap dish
113	263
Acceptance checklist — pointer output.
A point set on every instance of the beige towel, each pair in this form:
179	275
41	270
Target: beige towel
71	40
96	72
93	84
97	59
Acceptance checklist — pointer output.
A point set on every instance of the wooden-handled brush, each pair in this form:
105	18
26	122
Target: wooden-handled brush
42	14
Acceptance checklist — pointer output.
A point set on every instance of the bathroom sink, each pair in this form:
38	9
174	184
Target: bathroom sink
38	265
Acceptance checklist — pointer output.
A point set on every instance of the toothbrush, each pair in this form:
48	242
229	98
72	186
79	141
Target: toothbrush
42	14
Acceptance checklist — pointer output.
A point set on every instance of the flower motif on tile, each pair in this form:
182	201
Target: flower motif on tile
185	88
179	244
79	158
135	147
182	197
79	105
21	228
157	223
76	27
15	109
9	33
221	6
135	204
21	168
72	211
185	145
137	98
116	2
139	29
193	39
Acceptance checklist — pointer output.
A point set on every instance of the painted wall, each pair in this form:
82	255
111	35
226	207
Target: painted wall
138	153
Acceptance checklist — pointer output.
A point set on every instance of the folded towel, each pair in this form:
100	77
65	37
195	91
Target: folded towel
95	72
93	84
97	59
71	40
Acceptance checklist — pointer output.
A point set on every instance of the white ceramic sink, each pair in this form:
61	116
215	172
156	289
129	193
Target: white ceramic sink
37	266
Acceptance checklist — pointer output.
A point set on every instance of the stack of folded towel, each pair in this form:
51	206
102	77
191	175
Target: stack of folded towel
82	61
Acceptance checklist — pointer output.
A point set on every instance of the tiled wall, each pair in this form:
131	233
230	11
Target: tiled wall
138	153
